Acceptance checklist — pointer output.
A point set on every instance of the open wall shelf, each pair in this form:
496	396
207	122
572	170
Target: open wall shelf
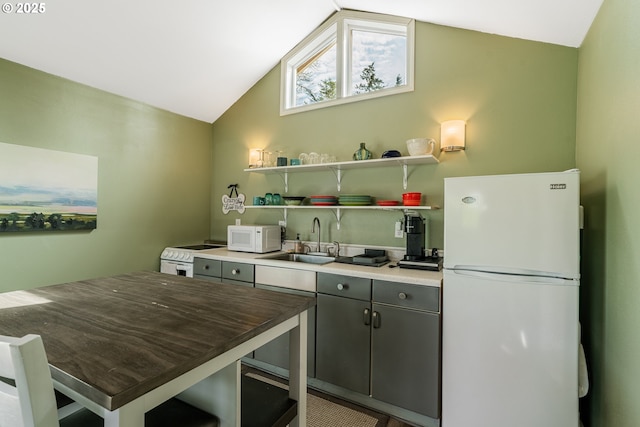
339	167
338	210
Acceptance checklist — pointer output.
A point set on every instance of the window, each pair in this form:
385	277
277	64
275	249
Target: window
351	57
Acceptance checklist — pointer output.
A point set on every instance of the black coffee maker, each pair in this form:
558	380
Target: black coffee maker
414	227
415	257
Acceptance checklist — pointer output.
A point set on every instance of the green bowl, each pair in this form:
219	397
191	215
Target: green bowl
292	201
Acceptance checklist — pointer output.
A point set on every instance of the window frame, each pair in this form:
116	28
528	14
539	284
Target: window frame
339	27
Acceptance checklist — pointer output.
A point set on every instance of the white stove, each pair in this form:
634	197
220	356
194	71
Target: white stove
178	260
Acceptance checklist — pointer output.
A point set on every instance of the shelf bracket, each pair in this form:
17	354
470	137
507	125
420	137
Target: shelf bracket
338	173
404	176
337	213
285	178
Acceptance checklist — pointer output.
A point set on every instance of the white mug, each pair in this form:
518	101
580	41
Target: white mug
420	146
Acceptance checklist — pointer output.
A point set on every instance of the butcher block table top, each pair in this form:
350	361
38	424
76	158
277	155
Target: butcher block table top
114	339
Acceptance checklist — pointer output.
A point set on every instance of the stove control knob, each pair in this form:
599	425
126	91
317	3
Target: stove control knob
180	255
164	254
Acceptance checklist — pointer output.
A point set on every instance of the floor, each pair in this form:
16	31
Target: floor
383	419
395	423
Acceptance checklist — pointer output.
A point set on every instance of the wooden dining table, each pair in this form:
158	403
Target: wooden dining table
124	344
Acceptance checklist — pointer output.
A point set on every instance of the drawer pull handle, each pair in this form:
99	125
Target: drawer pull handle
342	287
235	271
366	316
402	295
206	267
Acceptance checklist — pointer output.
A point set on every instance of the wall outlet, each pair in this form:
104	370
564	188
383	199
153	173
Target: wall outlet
398	230
238	221
282	223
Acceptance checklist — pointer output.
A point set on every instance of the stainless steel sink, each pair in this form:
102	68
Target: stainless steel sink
309	259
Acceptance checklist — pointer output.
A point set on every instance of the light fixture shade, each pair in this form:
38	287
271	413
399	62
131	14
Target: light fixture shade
452	135
255	157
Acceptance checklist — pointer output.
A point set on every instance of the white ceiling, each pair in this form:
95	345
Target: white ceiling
197	57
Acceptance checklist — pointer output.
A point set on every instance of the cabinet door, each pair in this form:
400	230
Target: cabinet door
276	352
343	340
406	359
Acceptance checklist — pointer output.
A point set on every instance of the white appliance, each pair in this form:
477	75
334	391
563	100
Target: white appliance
178	260
254	238
510	301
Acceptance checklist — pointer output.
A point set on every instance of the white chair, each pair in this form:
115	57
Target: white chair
27	397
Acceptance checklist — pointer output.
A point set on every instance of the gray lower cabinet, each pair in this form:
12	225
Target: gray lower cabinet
377	338
343	336
380	339
405	346
276	352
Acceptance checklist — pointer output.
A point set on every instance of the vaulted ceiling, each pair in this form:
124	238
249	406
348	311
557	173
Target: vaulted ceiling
198	57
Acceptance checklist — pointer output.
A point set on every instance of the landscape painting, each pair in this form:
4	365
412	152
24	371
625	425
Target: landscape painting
47	190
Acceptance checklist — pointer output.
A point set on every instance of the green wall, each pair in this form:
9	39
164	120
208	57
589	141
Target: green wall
154	178
608	153
518	98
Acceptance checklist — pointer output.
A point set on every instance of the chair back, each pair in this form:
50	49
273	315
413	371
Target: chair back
26	389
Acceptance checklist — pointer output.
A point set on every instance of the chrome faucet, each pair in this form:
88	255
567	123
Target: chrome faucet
313	230
336	249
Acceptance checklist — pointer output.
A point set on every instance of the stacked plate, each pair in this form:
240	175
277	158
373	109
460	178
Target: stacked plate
388	203
323	200
354	200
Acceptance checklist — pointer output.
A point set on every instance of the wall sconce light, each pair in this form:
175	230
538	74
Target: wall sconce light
452	135
256	159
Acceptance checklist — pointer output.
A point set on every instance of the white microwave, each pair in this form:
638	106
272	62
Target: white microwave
254	238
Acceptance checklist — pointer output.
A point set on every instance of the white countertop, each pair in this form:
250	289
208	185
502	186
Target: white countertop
404	275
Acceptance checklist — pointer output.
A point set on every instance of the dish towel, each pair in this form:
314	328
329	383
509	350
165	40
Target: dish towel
583	377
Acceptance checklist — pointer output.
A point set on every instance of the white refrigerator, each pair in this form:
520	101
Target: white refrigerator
510	300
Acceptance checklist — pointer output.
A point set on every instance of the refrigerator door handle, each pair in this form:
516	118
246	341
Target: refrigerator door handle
479	272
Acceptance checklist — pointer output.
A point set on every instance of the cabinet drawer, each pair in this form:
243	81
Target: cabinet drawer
344	286
303	280
207	267
237	271
407	295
